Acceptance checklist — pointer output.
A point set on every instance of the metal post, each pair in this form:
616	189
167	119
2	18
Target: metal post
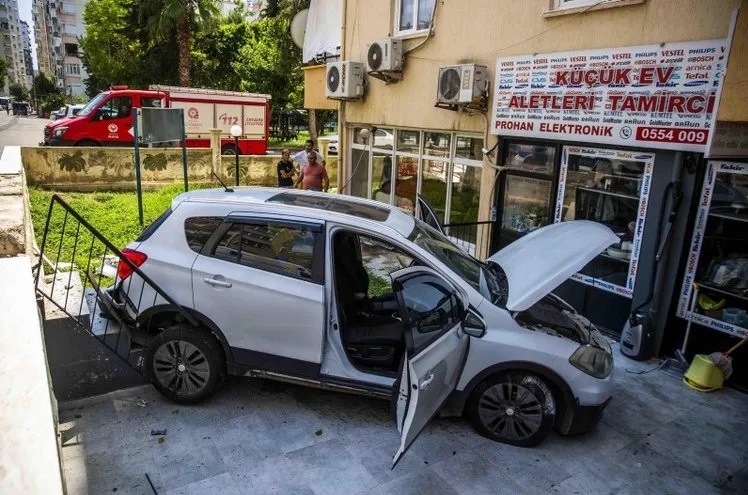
236	151
184	151
137	165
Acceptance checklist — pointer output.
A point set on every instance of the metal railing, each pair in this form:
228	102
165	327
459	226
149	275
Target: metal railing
75	285
474	237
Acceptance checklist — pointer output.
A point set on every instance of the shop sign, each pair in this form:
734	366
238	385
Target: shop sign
645	96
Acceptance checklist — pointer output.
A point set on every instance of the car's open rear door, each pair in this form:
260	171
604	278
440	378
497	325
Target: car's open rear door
432	313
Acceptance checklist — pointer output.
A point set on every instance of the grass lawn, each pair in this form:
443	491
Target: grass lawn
295	143
114	214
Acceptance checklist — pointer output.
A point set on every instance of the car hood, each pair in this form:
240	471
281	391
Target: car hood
540	261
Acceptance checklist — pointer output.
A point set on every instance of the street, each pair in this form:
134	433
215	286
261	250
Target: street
18	130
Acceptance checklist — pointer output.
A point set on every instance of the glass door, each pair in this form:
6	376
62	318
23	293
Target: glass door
527	189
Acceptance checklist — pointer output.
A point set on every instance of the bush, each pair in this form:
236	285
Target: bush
52	102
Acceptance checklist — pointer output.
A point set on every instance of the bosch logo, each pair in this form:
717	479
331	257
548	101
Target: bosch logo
193	113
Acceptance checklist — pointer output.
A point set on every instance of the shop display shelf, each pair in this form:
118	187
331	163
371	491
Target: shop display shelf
718	290
605	192
719	325
729	215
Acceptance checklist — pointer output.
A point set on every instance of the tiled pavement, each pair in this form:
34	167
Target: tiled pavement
257	437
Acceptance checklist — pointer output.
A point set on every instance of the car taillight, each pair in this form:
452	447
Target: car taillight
135	257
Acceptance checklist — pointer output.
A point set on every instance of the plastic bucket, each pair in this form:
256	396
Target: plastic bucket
703	375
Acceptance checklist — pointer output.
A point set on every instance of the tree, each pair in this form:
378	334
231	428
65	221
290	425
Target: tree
164	17
18	92
43	86
215	51
3	71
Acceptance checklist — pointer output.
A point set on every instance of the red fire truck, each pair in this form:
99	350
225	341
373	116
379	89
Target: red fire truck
107	119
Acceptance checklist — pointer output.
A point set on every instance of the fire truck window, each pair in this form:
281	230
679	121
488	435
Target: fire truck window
116	108
147	102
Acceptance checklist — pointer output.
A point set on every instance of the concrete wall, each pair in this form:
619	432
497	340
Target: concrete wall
83	168
476	31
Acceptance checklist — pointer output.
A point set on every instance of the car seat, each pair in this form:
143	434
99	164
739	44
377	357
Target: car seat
370	339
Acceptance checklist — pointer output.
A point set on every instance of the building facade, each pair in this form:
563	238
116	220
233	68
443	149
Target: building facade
509	116
12	42
28	61
43	37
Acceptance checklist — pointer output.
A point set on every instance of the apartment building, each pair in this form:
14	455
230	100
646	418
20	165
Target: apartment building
43	37
28	61
509	116
11	42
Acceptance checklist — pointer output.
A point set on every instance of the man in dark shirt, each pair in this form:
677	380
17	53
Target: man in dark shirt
286	170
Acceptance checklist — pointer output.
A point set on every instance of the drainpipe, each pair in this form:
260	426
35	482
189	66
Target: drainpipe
342	129
662	274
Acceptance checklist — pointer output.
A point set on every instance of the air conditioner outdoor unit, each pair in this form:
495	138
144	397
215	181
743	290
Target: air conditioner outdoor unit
345	80
384	56
462	84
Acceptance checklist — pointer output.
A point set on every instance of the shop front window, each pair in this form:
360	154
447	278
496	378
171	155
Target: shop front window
720	247
469	148
359	182
526	203
436	144
408	141
531	158
610	187
406	183
381	177
434	174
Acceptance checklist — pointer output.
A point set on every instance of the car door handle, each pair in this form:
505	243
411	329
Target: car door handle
426	383
215	282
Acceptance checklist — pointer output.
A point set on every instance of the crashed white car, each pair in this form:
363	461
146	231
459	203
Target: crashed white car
354	295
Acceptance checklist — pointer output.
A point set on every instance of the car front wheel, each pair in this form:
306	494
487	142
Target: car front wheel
185	364
515	408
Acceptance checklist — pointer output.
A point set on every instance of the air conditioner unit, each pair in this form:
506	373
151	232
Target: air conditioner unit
462	84
384	56
345	80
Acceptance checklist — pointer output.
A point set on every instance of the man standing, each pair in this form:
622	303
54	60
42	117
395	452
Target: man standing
301	156
286	170
314	175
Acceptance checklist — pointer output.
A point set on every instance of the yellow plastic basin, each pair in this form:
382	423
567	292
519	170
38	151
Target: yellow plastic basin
703	375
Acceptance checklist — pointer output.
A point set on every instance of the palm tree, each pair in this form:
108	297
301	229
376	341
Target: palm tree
164	17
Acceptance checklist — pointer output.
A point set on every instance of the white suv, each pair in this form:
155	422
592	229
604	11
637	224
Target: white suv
354	295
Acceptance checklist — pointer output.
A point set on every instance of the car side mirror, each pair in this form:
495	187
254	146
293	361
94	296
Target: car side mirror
473	325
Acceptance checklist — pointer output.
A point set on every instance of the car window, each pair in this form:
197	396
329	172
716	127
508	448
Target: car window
380	259
117	107
150	102
431	308
278	248
198	230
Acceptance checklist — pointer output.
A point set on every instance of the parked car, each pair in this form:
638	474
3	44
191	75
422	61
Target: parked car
67	111
332	148
20	108
357	296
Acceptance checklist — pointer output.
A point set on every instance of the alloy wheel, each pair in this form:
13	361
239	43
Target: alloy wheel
181	367
511	411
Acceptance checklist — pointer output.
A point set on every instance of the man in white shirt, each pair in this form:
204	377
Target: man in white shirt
301	156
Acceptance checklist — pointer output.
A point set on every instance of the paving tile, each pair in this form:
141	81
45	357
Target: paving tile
275	475
378	460
420	482
532	469
471	474
329	469
178	463
223	484
121	470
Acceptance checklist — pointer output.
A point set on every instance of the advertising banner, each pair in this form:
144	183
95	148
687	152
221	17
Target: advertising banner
644	96
254	121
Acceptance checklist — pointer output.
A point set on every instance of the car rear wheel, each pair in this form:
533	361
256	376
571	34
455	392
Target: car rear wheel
185	363
228	149
515	408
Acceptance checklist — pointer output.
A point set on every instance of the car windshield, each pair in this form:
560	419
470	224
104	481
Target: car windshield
91	105
487	278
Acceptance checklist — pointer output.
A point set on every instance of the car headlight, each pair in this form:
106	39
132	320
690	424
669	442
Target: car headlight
592	360
59	131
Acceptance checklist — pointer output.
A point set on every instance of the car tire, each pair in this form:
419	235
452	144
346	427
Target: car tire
184	363
516	408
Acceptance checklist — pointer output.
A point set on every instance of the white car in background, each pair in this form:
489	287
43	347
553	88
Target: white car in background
382	139
67	111
353	295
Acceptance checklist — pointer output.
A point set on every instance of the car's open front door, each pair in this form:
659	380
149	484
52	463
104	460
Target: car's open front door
427	213
432	312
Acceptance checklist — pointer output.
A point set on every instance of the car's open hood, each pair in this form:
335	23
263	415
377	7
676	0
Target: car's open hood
538	262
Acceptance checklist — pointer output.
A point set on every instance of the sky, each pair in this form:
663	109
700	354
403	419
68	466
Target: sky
24	12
